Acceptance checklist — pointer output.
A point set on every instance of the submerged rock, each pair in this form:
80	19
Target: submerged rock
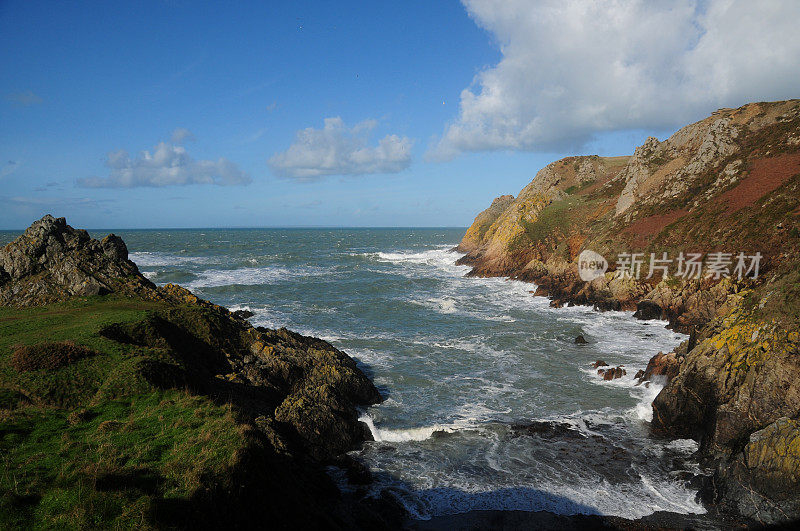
612	373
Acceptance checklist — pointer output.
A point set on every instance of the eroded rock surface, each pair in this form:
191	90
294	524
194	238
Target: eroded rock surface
51	261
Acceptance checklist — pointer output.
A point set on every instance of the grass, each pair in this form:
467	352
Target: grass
92	443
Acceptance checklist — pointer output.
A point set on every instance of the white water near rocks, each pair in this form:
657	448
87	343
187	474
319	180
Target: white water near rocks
466	366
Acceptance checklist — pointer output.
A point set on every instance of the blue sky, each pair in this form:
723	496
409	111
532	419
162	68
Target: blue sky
349	113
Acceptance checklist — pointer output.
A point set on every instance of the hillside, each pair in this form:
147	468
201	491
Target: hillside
727	184
123	404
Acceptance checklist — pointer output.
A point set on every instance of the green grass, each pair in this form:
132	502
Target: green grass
93	443
561	218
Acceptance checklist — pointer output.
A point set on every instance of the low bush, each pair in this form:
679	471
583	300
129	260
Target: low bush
47	355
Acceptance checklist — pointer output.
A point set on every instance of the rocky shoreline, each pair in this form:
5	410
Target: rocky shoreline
285	404
278	409
727	184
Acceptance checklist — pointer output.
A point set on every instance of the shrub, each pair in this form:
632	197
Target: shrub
47	355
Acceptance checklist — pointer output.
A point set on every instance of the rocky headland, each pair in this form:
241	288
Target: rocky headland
727	184
126	404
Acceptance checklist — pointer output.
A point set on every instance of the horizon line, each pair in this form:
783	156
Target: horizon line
269	227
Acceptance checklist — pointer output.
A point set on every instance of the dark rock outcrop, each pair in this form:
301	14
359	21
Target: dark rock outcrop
51	261
663	365
612	373
243	314
736	392
769	463
647	310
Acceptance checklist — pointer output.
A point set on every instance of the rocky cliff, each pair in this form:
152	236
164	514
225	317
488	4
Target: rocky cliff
727	184
126	404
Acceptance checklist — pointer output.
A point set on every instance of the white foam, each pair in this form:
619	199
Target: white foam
445	305
156	258
648	393
644	392
252	276
405	435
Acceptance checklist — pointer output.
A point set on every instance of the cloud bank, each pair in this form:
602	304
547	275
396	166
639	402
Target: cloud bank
168	164
571	68
338	150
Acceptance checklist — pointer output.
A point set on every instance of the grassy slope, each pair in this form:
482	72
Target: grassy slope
93	444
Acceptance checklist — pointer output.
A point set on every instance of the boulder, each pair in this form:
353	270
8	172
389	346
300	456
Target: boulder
580	340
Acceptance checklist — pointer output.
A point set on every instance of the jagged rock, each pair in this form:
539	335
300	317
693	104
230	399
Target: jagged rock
580	340
724	184
739	379
243	314
51	261
599	363
665	365
612	373
691	303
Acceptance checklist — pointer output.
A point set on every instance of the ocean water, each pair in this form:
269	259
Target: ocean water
464	364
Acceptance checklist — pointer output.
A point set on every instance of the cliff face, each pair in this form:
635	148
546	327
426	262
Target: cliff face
718	182
729	183
138	405
499	241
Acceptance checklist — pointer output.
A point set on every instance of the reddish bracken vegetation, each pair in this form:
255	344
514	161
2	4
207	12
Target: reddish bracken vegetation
766	175
47	355
650	226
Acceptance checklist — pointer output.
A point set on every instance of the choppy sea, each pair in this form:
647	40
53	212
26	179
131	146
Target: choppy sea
465	366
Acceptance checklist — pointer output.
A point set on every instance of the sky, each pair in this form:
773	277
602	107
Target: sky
352	113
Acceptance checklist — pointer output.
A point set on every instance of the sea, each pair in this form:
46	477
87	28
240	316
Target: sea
489	404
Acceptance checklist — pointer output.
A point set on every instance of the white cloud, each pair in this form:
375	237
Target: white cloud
337	150
180	135
572	68
168	164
